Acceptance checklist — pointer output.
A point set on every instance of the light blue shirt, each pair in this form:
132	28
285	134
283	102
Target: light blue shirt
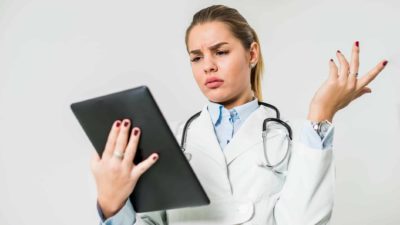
226	124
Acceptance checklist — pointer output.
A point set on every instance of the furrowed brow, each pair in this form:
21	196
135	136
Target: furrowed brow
212	48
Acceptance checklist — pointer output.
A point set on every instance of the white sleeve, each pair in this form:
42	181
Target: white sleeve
307	196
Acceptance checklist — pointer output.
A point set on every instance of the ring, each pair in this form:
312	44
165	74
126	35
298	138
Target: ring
354	74
118	154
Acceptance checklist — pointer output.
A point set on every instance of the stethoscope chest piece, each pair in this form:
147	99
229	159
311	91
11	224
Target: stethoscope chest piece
188	155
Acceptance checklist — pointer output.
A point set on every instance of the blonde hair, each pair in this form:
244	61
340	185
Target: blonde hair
240	29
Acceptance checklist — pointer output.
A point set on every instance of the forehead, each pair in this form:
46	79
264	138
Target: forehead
204	35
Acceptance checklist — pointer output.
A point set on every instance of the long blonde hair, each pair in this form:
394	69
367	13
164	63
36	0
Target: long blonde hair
240	29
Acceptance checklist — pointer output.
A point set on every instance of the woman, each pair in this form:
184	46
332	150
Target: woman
225	139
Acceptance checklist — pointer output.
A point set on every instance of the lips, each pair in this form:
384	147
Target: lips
214	82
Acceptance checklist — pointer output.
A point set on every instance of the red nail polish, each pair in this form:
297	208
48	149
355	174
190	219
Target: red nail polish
126	123
118	124
135	132
385	62
338	51
154	157
357	43
331	60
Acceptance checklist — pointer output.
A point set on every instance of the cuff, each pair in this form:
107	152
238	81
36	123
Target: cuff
311	138
126	215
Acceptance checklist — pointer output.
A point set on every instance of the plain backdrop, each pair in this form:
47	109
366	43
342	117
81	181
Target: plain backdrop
53	53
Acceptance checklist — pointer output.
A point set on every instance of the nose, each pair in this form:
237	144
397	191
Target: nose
209	65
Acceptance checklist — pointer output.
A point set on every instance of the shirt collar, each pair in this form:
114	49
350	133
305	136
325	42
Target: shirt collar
218	111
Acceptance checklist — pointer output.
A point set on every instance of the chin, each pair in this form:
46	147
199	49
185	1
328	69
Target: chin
217	97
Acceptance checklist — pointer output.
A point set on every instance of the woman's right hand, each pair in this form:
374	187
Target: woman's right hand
116	177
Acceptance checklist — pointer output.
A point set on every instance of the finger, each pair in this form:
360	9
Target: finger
333	70
354	63
367	89
111	140
142	167
370	76
130	151
344	65
122	138
362	92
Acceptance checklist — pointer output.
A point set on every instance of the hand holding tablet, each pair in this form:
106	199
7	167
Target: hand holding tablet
115	173
126	167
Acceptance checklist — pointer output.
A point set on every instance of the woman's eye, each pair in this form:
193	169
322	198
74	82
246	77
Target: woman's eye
195	59
222	52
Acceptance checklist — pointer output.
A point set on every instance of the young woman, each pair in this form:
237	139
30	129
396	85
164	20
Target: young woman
225	139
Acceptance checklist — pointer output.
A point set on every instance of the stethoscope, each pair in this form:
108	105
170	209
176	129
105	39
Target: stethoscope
265	130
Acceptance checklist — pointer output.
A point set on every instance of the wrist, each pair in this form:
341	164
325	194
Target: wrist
318	114
108	209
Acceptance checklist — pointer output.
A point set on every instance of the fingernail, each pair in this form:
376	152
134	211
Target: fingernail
136	132
385	62
331	60
126	123
338	51
155	157
118	124
357	43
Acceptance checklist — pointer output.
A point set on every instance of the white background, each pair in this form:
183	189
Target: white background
53	53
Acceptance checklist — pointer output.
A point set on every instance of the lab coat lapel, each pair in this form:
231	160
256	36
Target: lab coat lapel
248	135
202	137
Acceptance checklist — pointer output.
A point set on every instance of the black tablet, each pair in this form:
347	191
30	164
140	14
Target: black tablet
171	182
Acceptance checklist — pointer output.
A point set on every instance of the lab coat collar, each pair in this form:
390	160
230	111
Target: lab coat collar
201	135
249	134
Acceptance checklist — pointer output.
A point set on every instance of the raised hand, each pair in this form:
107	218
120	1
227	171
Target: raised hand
115	173
342	86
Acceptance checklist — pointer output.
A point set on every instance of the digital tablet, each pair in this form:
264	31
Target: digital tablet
171	182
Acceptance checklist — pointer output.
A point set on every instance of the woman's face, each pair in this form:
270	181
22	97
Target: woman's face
220	64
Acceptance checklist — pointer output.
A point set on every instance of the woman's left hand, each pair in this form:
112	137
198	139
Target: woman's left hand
342	86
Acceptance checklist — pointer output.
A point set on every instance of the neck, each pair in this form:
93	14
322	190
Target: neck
239	100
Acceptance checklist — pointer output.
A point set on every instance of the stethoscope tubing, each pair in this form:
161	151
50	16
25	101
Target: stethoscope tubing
264	136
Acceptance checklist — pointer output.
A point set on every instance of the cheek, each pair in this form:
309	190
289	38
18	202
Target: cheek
198	76
236	72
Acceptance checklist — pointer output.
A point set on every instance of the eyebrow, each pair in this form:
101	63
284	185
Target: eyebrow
212	47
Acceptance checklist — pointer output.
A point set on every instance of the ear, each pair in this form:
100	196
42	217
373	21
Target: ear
254	52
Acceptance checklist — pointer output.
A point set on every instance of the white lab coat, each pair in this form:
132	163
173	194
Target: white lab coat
242	192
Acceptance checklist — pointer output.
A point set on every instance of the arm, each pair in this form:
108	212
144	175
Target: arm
308	193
